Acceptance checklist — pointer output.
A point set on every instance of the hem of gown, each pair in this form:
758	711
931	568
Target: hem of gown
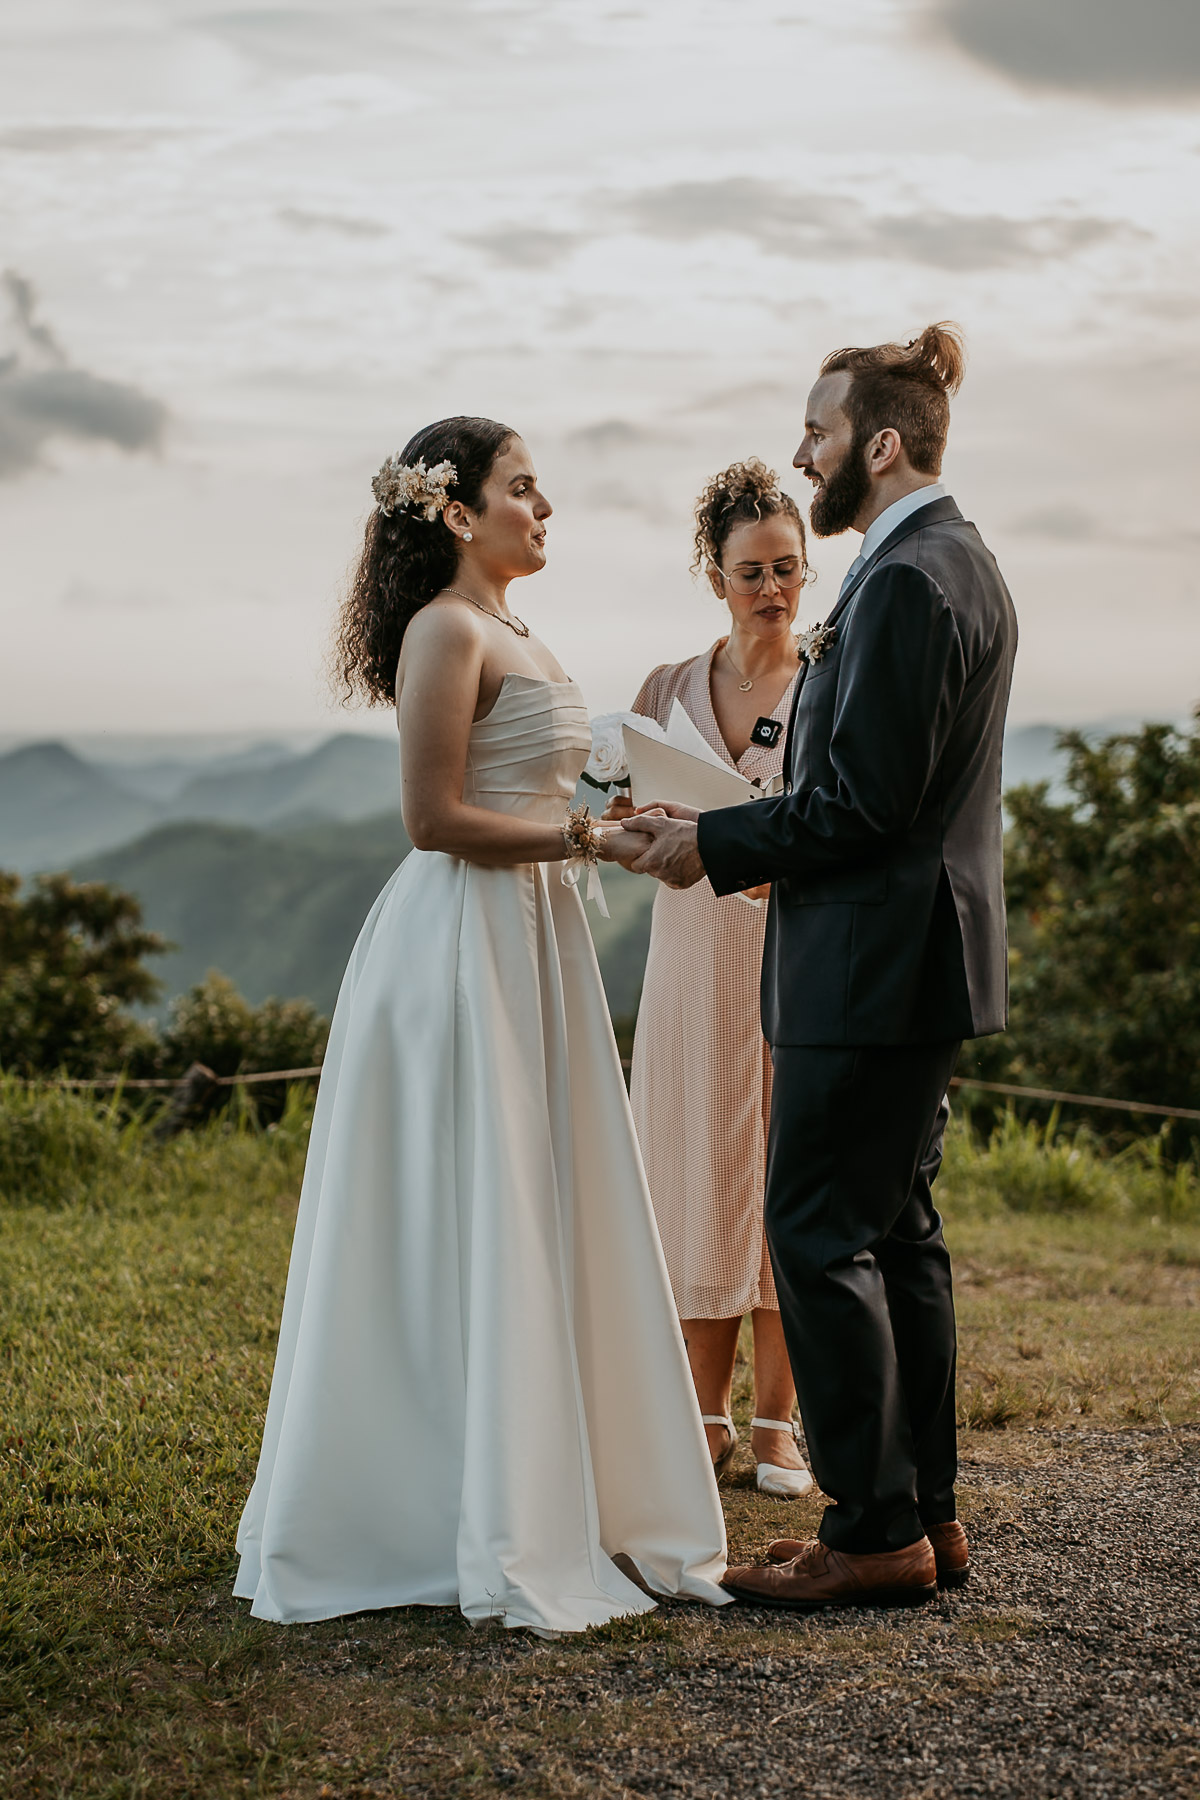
513	1618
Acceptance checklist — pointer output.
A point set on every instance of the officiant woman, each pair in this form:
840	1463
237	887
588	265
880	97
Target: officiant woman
701	1082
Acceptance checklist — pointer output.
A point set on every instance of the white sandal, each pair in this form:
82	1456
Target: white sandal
726	1457
781	1484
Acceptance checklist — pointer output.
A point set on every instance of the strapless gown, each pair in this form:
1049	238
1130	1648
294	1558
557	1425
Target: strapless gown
481	1394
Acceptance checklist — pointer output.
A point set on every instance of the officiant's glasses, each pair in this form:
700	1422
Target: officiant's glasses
788	573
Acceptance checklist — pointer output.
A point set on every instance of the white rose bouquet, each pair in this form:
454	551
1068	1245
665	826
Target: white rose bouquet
607	766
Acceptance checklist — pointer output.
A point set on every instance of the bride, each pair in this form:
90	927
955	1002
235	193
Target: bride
481	1395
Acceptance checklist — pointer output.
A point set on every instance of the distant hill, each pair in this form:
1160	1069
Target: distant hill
278	914
348	777
55	807
264	861
161	777
279	911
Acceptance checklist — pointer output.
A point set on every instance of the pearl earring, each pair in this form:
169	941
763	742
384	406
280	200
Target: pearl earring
468	537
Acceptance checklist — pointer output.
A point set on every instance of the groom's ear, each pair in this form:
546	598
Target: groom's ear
885	450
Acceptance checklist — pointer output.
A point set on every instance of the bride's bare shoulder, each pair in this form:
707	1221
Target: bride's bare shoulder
445	623
442	642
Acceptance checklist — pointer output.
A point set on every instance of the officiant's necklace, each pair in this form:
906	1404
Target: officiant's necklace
747	681
514	624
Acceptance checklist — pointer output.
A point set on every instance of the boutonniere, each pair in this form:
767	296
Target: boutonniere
812	644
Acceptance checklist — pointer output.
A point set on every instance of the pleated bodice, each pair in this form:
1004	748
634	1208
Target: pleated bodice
526	756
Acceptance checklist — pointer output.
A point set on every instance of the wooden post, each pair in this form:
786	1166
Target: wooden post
192	1103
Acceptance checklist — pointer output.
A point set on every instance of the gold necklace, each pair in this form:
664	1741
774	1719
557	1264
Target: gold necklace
746	683
514	624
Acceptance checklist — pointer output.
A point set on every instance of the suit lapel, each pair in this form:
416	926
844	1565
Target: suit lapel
938	512
791	730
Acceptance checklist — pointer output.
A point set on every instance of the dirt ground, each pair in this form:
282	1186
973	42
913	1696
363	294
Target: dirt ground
1069	1666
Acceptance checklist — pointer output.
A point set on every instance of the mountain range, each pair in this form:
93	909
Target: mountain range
279	911
57	806
263	861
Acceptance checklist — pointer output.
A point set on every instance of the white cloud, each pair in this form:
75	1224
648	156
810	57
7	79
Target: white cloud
632	230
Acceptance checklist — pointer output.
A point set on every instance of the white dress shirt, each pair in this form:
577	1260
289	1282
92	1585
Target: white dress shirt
896	513
886	523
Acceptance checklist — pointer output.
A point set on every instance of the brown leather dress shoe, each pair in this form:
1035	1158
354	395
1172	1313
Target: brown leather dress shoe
950	1551
819	1576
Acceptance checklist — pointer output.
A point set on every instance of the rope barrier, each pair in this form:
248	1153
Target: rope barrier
173	1081
959	1081
1029	1093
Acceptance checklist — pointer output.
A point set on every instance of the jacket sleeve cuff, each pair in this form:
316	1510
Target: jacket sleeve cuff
721	840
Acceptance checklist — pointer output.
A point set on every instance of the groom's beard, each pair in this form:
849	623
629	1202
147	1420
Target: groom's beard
840	497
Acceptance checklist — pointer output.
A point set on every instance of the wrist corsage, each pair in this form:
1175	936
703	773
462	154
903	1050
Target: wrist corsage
581	844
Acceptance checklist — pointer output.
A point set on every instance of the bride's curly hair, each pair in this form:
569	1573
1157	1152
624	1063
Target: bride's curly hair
407	559
745	490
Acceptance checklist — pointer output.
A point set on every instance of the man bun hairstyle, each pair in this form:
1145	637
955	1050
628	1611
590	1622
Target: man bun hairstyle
906	387
744	491
408	557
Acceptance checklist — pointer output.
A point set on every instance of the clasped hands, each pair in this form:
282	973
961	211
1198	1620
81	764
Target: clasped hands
658	840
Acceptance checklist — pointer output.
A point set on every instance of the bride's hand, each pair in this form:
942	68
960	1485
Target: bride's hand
620	846
674	809
619	807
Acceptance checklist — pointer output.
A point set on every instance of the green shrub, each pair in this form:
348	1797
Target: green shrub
1025	1166
57	1147
215	1025
71	963
1101	886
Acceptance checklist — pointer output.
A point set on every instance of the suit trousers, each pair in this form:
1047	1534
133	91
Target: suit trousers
864	1284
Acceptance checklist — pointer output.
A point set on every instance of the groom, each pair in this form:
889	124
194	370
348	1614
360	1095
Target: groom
885	948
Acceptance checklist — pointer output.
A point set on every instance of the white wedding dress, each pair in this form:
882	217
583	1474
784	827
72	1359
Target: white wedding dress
481	1394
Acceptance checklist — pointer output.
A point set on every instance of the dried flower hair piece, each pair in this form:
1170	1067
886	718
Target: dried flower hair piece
412	484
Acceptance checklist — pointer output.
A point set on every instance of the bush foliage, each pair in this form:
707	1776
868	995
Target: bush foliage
1106	984
71	966
213	1024
1105	925
71	963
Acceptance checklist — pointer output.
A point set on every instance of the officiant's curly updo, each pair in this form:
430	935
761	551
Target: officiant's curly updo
745	492
906	387
409	553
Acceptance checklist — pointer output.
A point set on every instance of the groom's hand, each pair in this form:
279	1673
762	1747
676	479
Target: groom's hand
671	855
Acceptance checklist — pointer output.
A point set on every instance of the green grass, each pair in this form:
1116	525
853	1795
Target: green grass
141	1289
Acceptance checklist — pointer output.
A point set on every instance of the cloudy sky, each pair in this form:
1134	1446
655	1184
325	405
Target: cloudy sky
251	250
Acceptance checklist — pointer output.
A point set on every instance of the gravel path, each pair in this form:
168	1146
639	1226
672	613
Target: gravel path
1069	1666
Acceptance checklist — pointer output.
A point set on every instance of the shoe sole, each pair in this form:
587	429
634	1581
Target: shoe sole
724	1460
901	1596
946	1578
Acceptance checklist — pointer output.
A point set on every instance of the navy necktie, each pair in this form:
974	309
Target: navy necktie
851	575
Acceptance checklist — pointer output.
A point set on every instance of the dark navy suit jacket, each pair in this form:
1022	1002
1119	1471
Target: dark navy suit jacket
886	922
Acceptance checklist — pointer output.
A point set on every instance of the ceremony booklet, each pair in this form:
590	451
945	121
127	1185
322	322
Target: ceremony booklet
679	764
